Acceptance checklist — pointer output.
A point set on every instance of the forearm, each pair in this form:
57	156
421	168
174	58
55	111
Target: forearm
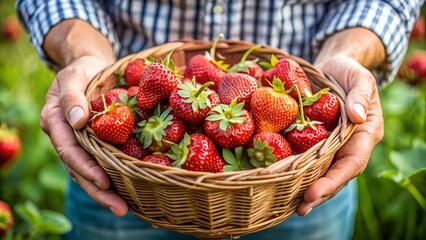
358	43
72	39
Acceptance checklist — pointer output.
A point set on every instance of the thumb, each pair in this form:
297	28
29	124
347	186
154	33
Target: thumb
362	85
72	83
358	82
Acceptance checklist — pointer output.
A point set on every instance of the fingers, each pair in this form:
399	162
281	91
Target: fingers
106	198
362	87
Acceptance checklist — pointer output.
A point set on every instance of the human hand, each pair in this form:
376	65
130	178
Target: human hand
66	108
363	108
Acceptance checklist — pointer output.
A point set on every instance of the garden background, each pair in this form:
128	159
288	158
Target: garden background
392	190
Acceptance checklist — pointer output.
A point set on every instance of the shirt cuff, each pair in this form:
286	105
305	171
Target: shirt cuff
40	18
391	23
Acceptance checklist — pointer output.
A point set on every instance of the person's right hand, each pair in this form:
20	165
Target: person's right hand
66	108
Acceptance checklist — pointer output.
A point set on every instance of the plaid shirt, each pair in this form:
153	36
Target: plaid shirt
295	26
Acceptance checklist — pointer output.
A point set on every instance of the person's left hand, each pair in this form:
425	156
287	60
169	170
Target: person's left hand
363	108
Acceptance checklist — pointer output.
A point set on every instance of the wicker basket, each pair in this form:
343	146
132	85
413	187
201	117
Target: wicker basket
219	205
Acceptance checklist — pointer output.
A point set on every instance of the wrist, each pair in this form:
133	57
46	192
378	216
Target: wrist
359	43
73	39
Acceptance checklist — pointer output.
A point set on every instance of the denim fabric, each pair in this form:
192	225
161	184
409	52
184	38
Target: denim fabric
332	220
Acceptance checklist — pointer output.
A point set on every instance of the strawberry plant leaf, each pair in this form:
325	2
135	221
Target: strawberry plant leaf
54	222
30	213
418	179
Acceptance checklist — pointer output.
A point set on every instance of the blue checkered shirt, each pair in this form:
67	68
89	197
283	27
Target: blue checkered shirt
295	26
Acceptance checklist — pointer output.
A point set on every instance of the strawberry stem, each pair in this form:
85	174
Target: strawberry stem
299	97
104	101
213	48
204	86
246	54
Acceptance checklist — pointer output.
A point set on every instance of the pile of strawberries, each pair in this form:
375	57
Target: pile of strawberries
214	117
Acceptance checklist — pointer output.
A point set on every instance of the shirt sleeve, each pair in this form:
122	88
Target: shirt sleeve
40	16
392	21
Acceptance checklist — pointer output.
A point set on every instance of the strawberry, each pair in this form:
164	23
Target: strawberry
159	159
197	152
229	126
10	146
265	148
413	69
236	85
133	72
157	82
191	101
324	107
113	125
159	130
132	91
110	96
205	68
303	134
304	138
134	149
249	67
6	218
12	29
418	32
291	74
273	109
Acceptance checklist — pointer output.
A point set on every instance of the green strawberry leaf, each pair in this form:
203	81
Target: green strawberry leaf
30	213
236	159
54	222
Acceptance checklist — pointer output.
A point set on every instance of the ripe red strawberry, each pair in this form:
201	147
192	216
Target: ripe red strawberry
265	148
191	102
159	159
133	72
205	68
10	146
229	126
159	130
418	32
413	69
12	29
197	152
132	91
324	107
291	74
303	134
273	109
236	85
249	67
157	82
113	125
6	218
134	149
111	96
304	138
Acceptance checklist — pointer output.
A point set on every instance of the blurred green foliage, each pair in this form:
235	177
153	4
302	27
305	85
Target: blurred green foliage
391	191
38	174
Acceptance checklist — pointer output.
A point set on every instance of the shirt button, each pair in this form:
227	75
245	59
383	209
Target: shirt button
218	9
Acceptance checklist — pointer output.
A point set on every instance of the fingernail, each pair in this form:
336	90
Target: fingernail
360	111
307	212
113	210
75	114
